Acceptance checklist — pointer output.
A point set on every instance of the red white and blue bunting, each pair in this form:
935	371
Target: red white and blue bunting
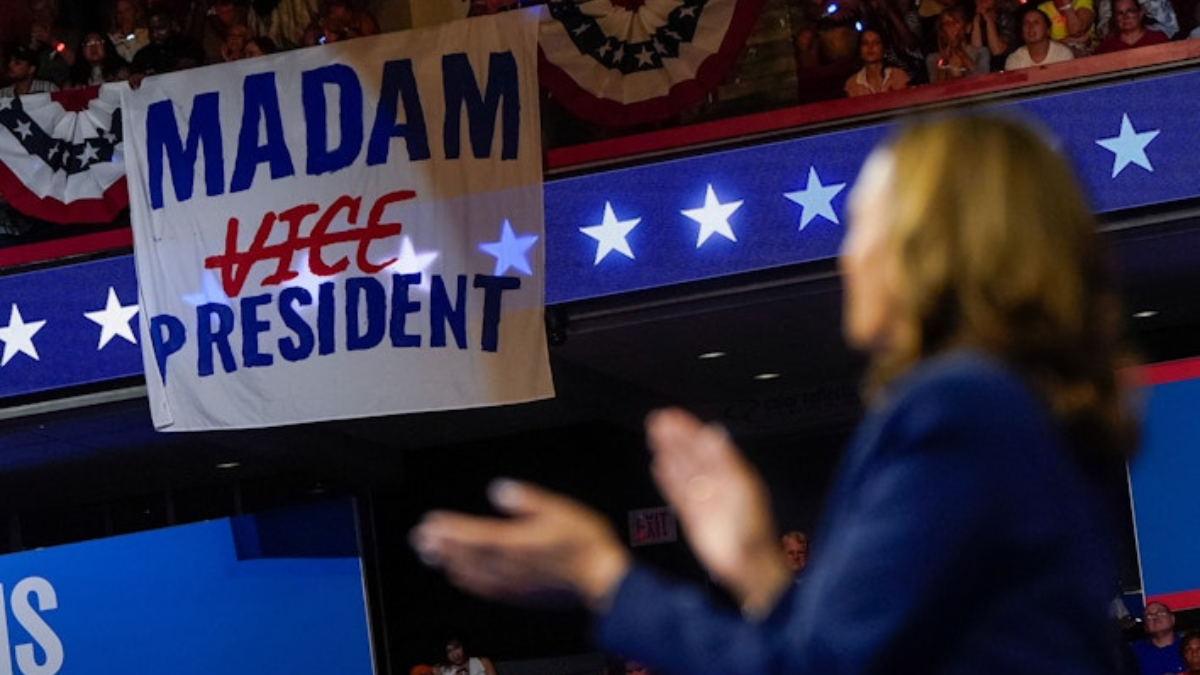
625	62
61	155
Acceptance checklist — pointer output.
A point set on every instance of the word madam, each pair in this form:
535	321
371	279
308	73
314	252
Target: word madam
261	116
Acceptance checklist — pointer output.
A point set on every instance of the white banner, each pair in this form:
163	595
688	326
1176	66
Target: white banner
343	231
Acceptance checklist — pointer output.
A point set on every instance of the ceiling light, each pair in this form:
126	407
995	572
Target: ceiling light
711	355
229	465
762	377
1145	314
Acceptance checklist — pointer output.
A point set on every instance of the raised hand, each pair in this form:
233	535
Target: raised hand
549	546
722	504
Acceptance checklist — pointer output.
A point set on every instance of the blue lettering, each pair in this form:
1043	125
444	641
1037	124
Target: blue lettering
442	311
260	108
401	308
493	288
252	327
357	289
461	89
325	338
398	83
300	348
209	337
322	158
168	342
162	137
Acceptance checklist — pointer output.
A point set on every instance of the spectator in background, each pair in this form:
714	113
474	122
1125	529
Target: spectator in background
995	28
795	551
23	74
260	45
224	17
1072	22
52	43
234	46
956	57
458	662
339	20
97	62
126	31
1189	650
1129	19
899	26
1039	49
1159	652
1160	16
876	76
168	50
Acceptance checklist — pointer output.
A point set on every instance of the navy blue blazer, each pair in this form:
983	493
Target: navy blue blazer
959	537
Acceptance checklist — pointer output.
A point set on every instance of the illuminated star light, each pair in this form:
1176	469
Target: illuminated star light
114	320
816	199
410	262
713	217
1129	147
210	291
610	234
511	251
17	337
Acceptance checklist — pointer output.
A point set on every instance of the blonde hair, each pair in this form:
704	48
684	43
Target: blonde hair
1004	257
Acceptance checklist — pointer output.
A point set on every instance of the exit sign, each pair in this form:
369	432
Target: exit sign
652	526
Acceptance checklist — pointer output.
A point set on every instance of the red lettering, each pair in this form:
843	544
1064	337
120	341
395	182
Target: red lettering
235	265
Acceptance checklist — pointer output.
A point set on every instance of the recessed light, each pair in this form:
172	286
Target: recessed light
1145	314
767	376
711	355
229	465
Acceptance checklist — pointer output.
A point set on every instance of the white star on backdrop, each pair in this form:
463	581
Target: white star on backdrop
1129	147
610	234
17	337
23	130
114	320
408	261
510	251
713	217
816	199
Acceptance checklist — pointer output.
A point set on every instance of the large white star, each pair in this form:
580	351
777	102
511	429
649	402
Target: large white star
408	261
17	336
23	130
510	251
610	234
1129	147
713	217
816	199
114	320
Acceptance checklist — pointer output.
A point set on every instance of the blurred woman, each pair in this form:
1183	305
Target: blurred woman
97	62
961	532
876	76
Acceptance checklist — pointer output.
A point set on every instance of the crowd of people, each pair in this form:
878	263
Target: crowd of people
873	46
147	37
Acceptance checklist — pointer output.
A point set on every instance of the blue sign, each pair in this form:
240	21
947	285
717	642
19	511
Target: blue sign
190	600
